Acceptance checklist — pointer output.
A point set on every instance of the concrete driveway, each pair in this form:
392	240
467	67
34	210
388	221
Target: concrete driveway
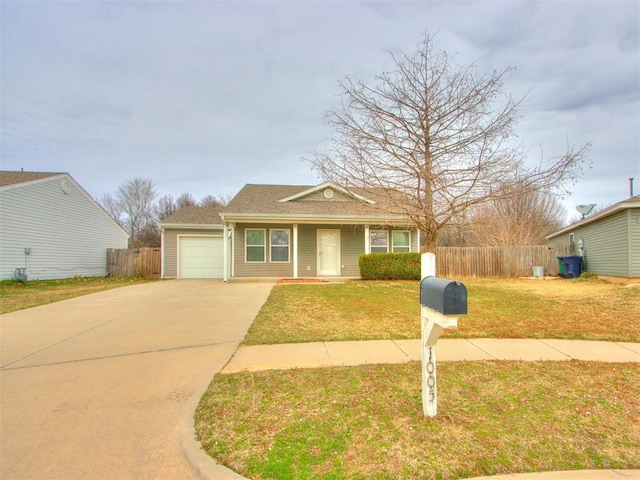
104	386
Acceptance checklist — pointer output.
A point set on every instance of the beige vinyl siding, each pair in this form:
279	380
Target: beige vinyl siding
414	241
634	242
170	247
319	197
68	233
242	268
352	245
307	251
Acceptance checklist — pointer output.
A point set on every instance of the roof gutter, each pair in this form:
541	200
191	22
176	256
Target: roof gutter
596	216
311	219
191	226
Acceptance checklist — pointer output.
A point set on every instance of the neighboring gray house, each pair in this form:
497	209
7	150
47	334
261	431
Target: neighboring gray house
192	244
609	240
293	231
52	227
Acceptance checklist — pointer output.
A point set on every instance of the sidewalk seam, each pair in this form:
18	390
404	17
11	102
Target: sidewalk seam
400	348
626	348
569	357
326	350
480	348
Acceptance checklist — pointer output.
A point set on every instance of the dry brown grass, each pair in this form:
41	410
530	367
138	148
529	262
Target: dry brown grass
506	308
18	296
367	422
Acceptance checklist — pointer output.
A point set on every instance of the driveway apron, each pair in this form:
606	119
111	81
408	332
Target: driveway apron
100	386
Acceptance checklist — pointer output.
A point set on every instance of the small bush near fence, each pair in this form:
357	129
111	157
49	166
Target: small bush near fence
390	266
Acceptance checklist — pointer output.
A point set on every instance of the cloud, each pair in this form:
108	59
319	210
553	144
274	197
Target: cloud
206	96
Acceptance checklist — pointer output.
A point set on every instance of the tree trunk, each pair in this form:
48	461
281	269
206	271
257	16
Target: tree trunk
427	242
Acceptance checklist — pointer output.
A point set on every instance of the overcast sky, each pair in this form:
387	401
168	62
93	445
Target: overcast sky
205	96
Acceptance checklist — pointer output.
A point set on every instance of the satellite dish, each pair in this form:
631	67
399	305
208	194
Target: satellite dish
585	209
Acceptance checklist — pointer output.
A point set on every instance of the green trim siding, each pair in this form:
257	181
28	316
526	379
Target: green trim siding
611	244
634	242
606	244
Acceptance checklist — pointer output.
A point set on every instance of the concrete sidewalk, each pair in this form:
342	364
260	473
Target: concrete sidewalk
331	354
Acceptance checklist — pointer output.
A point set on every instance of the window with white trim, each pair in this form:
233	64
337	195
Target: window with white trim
401	241
279	241
255	246
379	241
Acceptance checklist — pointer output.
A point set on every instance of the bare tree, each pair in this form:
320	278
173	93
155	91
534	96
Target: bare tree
132	206
149	236
164	207
524	219
433	139
214	201
186	200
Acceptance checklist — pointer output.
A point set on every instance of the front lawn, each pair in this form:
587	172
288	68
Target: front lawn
18	296
367	422
583	309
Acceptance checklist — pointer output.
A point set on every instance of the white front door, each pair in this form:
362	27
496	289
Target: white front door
328	252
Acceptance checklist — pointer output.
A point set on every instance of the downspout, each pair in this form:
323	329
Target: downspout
162	252
295	250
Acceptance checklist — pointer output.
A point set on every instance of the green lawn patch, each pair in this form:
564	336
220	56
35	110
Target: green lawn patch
504	308
367	422
18	296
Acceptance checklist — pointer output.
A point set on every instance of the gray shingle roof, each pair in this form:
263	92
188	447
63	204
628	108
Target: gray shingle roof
265	200
195	216
14	178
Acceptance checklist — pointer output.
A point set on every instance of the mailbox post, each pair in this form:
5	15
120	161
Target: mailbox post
439	299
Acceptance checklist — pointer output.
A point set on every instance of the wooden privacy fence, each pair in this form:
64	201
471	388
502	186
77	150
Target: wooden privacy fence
496	262
134	262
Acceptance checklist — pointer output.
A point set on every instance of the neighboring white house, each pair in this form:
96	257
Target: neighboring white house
52	227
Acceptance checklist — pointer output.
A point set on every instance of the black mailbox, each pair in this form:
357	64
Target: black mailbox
444	296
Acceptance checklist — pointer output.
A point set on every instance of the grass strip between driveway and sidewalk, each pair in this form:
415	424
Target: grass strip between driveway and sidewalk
578	309
18	296
367	422
494	417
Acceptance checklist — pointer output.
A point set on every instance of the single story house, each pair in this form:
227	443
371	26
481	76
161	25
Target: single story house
191	243
283	231
294	231
51	227
608	241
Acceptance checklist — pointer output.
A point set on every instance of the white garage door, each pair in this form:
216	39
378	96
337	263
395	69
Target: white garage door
200	257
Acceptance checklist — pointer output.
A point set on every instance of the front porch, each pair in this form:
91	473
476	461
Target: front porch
277	251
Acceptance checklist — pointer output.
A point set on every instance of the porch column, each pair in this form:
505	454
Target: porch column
225	252
295	250
367	243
